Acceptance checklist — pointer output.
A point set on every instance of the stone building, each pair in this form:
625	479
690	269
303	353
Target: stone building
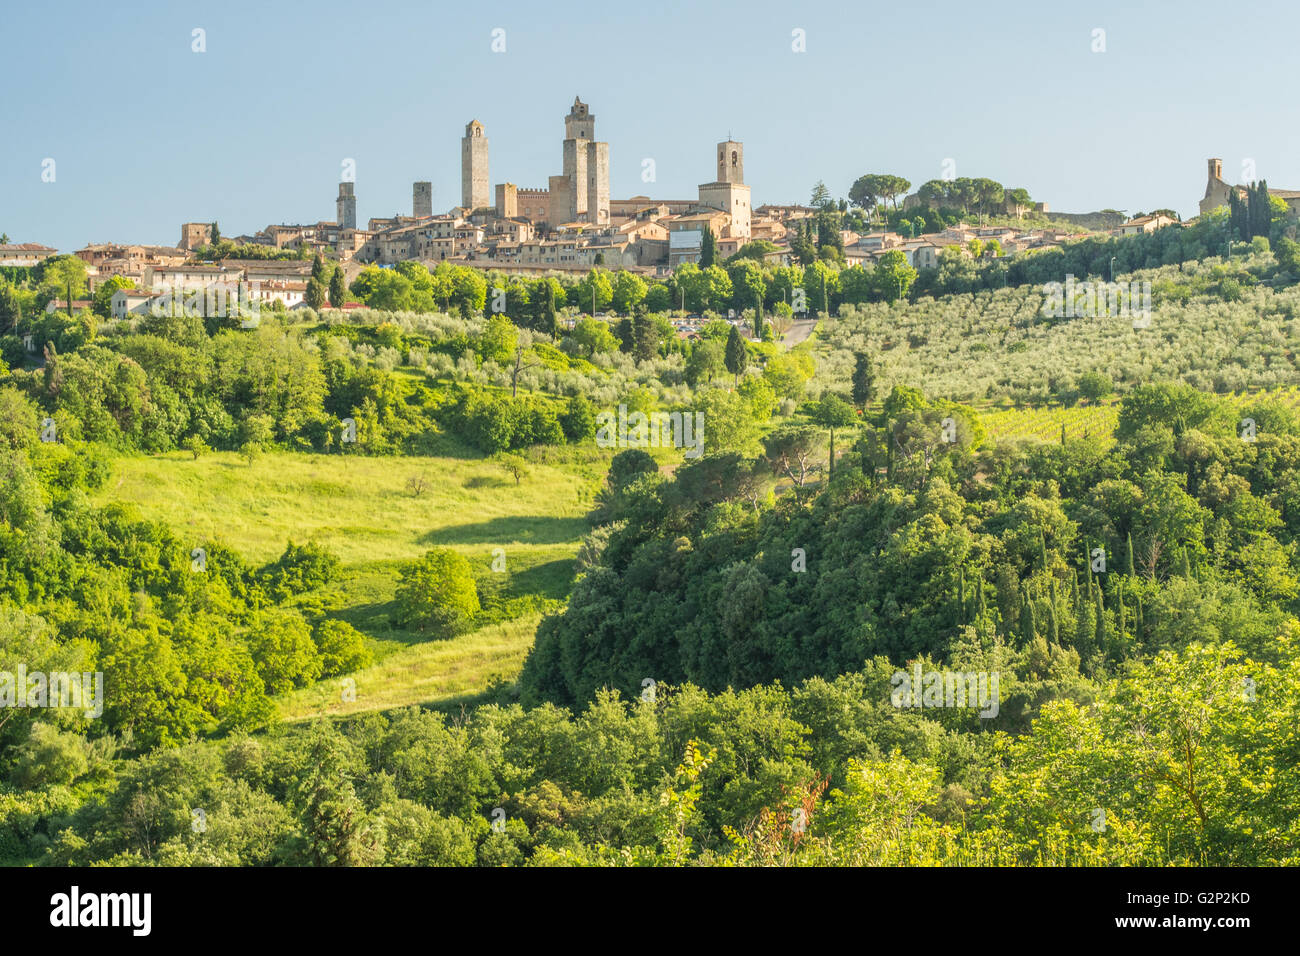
507	200
1217	190
728	193
422	200
194	234
347	206
474	167
581	192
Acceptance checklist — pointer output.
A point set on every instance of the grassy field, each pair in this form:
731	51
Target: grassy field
1099	420
433	673
362	510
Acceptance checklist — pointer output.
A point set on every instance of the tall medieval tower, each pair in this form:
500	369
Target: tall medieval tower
346	205
422	200
474	168
581	193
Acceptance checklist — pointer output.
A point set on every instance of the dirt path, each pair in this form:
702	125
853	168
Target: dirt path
799	332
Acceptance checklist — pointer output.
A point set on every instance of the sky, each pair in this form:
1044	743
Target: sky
146	133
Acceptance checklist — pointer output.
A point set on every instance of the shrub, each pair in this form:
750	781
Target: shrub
342	648
300	569
437	593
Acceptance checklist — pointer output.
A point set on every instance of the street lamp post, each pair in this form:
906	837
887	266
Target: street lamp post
1112	268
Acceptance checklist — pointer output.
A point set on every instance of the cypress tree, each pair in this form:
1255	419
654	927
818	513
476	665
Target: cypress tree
1119	598
339	289
1062	433
1042	548
1028	626
1184	567
708	248
1128	560
1052	629
1102	642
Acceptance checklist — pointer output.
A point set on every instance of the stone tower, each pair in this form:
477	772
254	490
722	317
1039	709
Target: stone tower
347	206
728	193
195	234
731	162
581	192
422	200
1216	190
581	122
474	168
507	205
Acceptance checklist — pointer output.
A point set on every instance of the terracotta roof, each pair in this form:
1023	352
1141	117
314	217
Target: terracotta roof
26	247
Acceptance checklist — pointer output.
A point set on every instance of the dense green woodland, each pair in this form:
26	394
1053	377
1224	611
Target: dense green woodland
718	687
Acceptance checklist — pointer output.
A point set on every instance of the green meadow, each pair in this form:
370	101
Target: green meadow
361	508
369	513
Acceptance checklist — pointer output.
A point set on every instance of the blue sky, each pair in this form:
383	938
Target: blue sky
147	134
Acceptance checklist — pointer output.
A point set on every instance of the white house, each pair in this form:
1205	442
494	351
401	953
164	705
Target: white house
127	302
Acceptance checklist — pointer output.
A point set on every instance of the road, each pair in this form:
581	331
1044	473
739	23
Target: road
799	332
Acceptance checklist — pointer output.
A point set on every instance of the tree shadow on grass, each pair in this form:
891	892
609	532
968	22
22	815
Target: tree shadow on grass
525	529
553	580
486	481
379	621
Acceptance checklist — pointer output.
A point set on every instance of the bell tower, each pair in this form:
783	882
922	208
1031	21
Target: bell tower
731	162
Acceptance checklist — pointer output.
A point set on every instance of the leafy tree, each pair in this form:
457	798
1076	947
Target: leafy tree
893	277
10	308
1095	386
593	292
498	340
283	650
515	466
706	360
629	290
102	300
578	419
592	336
437	593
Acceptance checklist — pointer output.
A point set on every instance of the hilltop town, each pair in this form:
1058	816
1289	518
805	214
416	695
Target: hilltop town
573	225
